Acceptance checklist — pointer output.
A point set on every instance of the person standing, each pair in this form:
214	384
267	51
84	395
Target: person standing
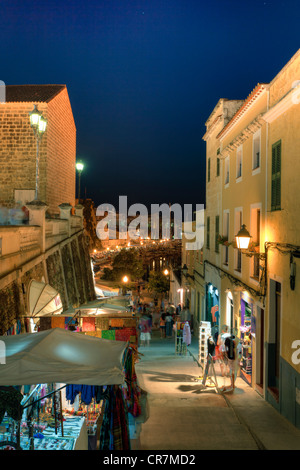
145	329
162	325
169	325
232	357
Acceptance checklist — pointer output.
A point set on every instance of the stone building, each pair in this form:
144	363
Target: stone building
18	146
51	247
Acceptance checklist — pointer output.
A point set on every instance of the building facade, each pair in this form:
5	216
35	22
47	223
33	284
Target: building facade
259	297
57	149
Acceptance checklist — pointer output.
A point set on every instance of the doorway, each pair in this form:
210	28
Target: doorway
260	351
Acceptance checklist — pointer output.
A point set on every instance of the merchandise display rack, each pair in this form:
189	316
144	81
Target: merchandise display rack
180	345
204	334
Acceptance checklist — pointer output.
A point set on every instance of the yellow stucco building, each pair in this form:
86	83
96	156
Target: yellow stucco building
256	154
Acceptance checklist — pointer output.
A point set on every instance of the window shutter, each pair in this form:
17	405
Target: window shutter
208	232
276	177
217	233
208	170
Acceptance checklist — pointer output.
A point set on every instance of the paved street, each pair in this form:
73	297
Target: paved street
184	416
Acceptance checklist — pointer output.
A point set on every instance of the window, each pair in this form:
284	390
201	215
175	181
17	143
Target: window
256	151
276	177
208	232
218	163
226	236
227	170
239	155
208	170
237	253
255	231
217	234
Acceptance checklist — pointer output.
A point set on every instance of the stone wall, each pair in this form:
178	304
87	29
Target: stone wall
65	263
10	306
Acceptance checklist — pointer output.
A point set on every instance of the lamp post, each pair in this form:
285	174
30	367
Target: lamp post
79	168
39	125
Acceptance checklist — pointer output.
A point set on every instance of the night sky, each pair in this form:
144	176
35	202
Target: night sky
143	77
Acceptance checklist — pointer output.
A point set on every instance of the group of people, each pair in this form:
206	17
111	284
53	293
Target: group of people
226	350
152	318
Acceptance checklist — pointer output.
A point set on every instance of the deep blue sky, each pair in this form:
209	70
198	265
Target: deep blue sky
143	77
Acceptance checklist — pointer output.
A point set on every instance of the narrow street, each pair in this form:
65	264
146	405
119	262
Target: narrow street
185	416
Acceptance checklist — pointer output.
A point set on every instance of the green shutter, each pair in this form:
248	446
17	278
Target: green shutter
276	177
217	233
207	232
218	167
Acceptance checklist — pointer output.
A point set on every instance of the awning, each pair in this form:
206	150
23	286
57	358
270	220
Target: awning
61	356
43	299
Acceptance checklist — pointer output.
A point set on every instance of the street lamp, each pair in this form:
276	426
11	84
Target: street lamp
79	168
243	238
39	125
125	280
166	272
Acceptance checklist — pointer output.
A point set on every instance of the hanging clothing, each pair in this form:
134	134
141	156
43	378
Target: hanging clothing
186	334
10	402
114	433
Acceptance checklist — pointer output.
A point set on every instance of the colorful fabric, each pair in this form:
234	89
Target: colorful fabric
109	334
96	334
114	434
102	323
116	322
58	322
130	323
132	393
88	324
45	323
125	334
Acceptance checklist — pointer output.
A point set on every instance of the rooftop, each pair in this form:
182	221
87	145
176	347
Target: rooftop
32	93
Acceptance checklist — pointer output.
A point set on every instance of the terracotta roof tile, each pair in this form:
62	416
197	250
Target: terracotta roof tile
32	93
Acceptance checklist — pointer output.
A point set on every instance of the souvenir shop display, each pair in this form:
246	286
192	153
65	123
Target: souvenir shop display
182	337
72	416
204	335
121	326
246	360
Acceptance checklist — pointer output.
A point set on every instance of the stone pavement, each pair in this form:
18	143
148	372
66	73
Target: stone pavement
183	415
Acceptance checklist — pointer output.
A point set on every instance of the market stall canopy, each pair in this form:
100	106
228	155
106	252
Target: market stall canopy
99	307
43	299
61	356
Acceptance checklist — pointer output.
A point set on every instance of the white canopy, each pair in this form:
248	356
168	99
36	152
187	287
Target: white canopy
61	356
43	299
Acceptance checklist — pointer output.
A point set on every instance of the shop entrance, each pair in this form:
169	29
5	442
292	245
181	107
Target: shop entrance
260	349
274	339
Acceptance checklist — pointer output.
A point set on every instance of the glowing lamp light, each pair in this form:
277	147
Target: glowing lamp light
35	117
166	272
79	166
243	238
125	279
42	125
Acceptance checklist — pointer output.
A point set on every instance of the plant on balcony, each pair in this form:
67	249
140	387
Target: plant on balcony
223	241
